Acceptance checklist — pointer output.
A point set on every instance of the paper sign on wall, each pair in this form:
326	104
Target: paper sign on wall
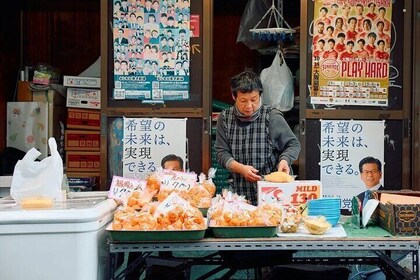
147	140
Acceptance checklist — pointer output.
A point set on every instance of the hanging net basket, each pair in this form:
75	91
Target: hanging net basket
273	31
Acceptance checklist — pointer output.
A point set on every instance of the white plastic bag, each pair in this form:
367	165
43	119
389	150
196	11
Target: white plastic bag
38	178
277	81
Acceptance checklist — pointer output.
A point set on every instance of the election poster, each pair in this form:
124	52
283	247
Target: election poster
343	144
147	140
151	50
351	44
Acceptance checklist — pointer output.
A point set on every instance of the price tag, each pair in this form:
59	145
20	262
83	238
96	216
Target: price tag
170	203
296	193
121	188
179	181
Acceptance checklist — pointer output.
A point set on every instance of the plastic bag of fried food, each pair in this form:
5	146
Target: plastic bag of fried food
174	213
279	177
230	209
139	198
153	181
198	194
291	219
208	183
316	225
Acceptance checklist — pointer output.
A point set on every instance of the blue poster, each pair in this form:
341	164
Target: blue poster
151	50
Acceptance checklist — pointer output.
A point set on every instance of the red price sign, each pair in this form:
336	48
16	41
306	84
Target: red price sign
296	193
304	193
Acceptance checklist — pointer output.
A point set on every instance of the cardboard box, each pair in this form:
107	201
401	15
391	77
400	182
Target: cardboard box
84	98
82	140
296	193
83	161
24	92
83	119
49	96
400	219
83	181
84	82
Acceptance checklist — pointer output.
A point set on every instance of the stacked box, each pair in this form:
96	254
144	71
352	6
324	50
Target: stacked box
82	137
83	161
83	119
82	140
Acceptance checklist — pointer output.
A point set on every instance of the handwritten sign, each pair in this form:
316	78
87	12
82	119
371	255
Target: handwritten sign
121	188
178	181
170	203
296	193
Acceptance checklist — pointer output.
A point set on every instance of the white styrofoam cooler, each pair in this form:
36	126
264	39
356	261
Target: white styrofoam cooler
66	243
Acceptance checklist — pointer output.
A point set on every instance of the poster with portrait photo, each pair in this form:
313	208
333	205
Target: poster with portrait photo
151	49
351	45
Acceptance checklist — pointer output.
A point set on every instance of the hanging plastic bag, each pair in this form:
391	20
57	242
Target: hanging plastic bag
38	178
253	12
277	83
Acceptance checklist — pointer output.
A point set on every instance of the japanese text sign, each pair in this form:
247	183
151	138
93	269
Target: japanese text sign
343	144
296	193
147	140
121	188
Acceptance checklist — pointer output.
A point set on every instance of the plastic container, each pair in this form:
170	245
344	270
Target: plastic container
244	232
67	242
155	235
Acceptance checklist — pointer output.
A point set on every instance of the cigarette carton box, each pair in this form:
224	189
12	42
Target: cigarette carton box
83	161
84	98
84	82
82	140
400	218
83	119
295	193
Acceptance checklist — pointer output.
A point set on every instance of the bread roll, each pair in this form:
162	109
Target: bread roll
36	203
278	177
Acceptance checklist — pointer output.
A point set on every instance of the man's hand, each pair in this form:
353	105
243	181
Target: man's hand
284	166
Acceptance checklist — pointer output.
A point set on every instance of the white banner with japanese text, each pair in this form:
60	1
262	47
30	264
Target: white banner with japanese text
343	144
147	140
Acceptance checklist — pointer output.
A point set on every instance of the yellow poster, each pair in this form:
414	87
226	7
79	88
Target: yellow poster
351	44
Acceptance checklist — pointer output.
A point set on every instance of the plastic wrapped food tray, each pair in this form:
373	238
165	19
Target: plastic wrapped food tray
155	235
244	232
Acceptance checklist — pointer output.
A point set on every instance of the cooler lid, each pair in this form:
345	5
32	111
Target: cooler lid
79	208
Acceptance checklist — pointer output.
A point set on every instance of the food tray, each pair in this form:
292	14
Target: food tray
155	235
244	232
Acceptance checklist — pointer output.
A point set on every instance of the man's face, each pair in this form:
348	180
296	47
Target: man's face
248	103
172	165
320	28
352	24
382	13
370	174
